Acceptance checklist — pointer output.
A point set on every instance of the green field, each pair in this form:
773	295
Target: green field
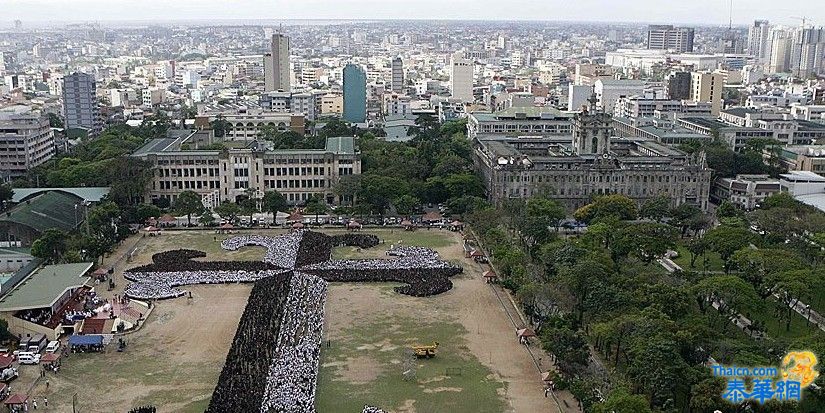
454	381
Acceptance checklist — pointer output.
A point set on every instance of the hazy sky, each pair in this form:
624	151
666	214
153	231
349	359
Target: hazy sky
711	12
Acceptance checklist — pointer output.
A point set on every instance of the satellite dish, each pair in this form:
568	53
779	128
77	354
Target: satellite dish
605	156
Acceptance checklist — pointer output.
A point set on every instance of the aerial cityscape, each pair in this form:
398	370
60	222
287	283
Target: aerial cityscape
420	207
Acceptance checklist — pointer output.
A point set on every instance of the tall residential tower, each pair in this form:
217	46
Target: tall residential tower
276	64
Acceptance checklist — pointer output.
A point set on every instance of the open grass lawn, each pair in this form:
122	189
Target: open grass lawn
776	326
367	366
711	261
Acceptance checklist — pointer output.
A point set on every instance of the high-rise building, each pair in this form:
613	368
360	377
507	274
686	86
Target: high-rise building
759	44
807	53
461	77
667	37
780	53
276	64
707	87
80	103
732	43
397	75
678	85
355	94
26	141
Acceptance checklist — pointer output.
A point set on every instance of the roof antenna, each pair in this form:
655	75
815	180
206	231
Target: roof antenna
730	21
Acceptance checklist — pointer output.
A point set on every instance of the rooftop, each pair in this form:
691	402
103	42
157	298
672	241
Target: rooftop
89	194
43	287
52	209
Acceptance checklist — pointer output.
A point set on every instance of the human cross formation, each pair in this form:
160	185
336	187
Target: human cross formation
273	362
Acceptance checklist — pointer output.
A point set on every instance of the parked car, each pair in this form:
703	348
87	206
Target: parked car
27	357
53	346
9	374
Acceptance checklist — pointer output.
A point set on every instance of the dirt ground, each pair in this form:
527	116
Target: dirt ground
488	333
175	358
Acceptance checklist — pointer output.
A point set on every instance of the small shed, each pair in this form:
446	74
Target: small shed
456	225
50	360
15	400
407	225
524	335
167	219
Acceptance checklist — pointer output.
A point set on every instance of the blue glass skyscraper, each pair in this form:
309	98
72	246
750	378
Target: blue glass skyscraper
355	94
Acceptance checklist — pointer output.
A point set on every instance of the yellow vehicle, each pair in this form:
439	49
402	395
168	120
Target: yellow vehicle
425	351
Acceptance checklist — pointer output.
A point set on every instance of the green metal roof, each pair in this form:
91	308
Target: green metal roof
52	209
43	287
341	145
88	193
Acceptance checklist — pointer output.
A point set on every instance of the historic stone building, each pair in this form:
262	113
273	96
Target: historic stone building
593	162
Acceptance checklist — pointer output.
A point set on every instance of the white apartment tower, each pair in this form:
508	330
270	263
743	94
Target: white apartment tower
759	41
276	65
461	77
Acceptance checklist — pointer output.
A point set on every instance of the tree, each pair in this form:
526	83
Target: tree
648	240
617	206
621	401
51	245
6	195
728	210
791	286
221	126
188	203
726	240
540	215
206	219
315	205
655	208
731	294
228	211
274	202
55	121
146	211
696	247
405	204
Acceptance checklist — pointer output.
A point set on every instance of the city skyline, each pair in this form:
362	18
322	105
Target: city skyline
702	12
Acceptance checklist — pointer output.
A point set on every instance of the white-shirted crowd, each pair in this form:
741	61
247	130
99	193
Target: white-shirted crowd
281	250
161	285
293	373
371	409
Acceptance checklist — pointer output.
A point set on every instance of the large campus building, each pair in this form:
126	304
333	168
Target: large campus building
225	175
591	162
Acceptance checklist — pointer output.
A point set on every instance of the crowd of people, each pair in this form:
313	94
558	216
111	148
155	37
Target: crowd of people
281	250
162	285
244	378
371	409
293	373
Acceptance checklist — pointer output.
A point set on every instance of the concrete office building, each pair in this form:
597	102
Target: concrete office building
461	77
707	87
276	65
678	85
571	170
355	94
80	103
609	91
26	141
397	75
667	37
577	96
533	121
247	124
220	176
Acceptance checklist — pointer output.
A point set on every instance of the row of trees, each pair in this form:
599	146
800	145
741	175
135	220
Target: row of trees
653	330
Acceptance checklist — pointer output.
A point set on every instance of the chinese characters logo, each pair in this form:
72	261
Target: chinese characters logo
797	371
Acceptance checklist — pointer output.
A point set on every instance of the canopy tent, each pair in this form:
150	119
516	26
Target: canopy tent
227	226
152	228
295	217
90	340
167	218
297	225
49	358
406	223
100	272
354	224
15	399
5	361
432	216
456	223
525	332
476	253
